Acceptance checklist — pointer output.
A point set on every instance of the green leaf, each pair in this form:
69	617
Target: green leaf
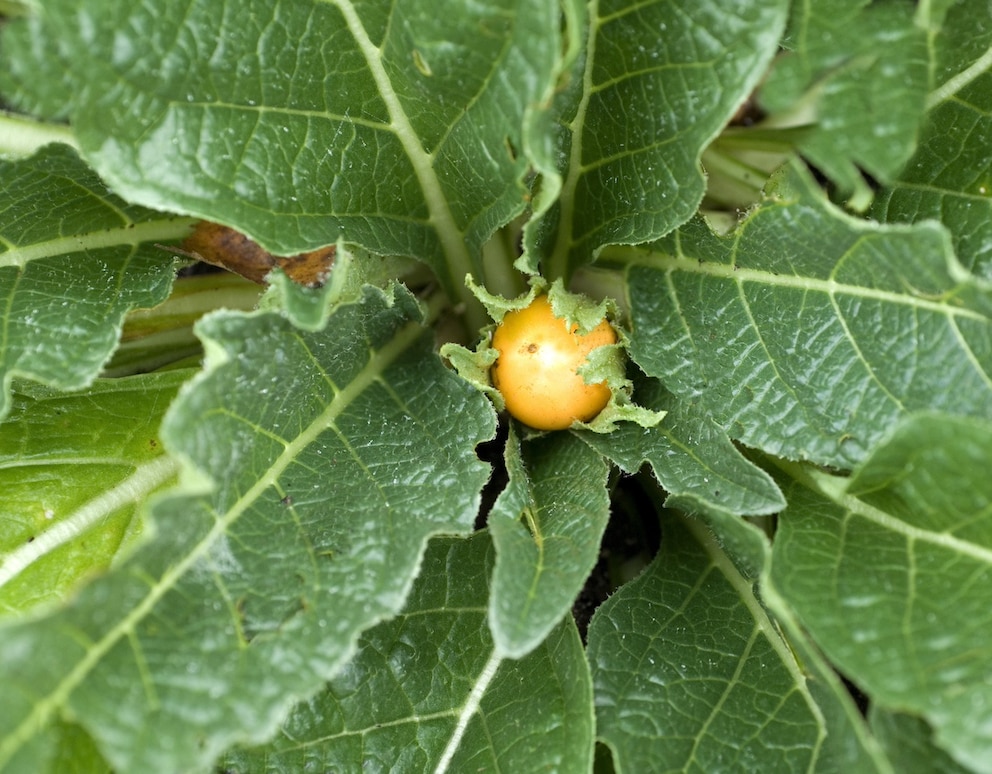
557	486
396	126
77	754
162	337
856	78
318	464
74	471
541	137
909	743
950	177
72	264
890	570
429	692
655	83
689	455
690	673
807	333
847	744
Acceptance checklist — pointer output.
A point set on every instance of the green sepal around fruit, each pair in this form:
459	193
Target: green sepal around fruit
606	364
473	366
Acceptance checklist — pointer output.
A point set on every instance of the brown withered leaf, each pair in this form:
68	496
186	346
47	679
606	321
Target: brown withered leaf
222	246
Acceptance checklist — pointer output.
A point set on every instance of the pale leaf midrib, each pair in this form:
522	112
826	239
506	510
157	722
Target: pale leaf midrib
468	710
829	287
856	507
569	186
762	621
834	489
953	85
131	234
449	233
145	479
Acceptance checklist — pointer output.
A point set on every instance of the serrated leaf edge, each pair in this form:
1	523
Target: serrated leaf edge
48	706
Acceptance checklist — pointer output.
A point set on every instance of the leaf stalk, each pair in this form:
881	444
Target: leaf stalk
21	136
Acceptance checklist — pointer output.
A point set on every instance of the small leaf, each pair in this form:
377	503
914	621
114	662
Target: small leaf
558	487
72	264
74	472
690	673
890	572
807	333
690	455
318	464
428	692
949	179
655	83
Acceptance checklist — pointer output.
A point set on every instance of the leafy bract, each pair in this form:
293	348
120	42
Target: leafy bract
691	674
890	572
74	470
855	79
546	526
318	464
395	126
429	693
950	177
656	81
72	264
807	333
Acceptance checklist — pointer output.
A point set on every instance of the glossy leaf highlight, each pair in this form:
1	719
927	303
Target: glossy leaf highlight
655	83
394	126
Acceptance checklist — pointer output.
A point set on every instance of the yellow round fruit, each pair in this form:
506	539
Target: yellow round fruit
537	368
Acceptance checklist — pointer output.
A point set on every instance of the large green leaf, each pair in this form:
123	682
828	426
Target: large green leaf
890	572
428	691
318	465
856	79
691	674
807	333
72	264
74	470
546	525
950	177
396	126
655	83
